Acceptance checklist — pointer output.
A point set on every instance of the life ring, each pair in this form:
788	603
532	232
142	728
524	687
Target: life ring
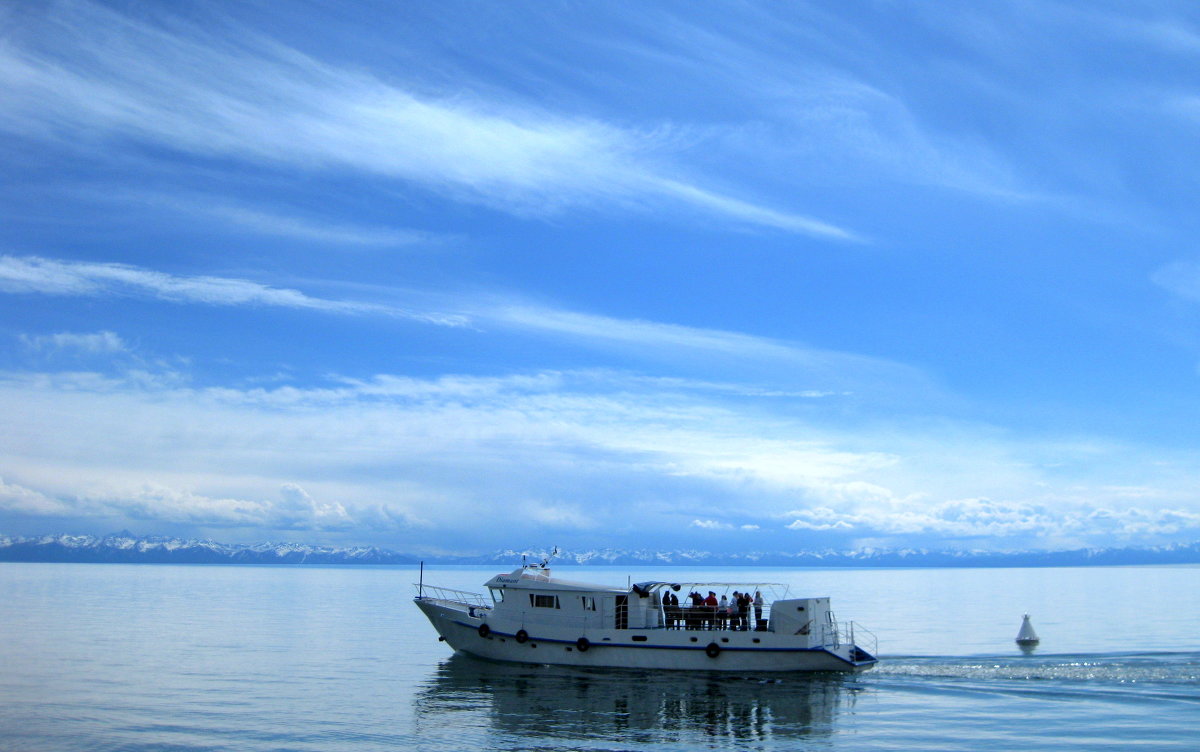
582	644
712	650
522	636
484	630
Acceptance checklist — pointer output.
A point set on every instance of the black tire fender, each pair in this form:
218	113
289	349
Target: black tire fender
484	630
522	636
712	650
582	644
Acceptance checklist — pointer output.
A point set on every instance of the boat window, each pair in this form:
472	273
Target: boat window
543	601
589	602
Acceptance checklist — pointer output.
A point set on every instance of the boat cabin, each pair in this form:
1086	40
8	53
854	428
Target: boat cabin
531	594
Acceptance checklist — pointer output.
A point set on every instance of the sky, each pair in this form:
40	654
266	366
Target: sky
738	276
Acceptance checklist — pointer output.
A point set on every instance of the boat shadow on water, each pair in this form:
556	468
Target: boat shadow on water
555	702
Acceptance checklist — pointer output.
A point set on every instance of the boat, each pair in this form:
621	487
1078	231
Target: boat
531	616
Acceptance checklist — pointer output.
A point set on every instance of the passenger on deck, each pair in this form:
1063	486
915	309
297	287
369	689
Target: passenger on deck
693	614
758	607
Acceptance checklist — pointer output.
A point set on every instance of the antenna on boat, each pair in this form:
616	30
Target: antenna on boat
546	560
421	582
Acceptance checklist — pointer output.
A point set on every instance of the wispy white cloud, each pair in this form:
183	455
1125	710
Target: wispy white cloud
824	372
1181	278
31	274
821	102
96	343
752	213
88	70
634	332
878	131
722	526
245	216
1158	29
268	222
317	232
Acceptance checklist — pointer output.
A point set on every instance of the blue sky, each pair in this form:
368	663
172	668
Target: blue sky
732	276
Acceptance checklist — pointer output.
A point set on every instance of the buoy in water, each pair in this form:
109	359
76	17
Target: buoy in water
1027	638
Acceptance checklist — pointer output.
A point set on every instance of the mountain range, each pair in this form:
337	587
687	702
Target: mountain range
124	547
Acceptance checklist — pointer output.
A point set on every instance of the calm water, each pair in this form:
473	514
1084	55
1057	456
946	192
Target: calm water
155	657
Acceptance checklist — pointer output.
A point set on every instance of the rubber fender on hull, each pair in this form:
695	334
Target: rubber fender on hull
582	644
484	630
712	650
522	636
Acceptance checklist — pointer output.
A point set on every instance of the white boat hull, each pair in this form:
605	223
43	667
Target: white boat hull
482	634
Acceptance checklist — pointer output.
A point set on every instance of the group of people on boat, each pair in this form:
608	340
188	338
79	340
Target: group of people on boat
713	613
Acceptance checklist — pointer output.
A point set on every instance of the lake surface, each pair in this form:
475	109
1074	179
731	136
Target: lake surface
158	657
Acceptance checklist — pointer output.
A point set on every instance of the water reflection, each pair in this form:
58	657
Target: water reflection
532	705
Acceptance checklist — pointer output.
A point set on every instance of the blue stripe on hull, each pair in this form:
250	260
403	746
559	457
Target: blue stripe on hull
871	659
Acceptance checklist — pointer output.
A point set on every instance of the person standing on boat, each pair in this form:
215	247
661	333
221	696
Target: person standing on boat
694	613
758	607
723	611
743	607
710	616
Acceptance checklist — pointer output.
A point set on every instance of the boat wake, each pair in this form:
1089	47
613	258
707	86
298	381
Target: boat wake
1121	676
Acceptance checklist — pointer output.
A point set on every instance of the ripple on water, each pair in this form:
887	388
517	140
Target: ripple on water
1129	679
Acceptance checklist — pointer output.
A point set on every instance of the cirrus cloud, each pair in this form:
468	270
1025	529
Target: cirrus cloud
90	70
32	274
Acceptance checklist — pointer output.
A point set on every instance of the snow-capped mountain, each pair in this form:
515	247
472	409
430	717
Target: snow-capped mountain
1188	553
124	547
128	548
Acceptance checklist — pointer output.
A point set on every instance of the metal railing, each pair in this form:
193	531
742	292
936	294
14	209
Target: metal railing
711	618
835	634
863	638
433	592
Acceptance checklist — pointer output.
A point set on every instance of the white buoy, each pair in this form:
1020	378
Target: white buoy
1027	638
